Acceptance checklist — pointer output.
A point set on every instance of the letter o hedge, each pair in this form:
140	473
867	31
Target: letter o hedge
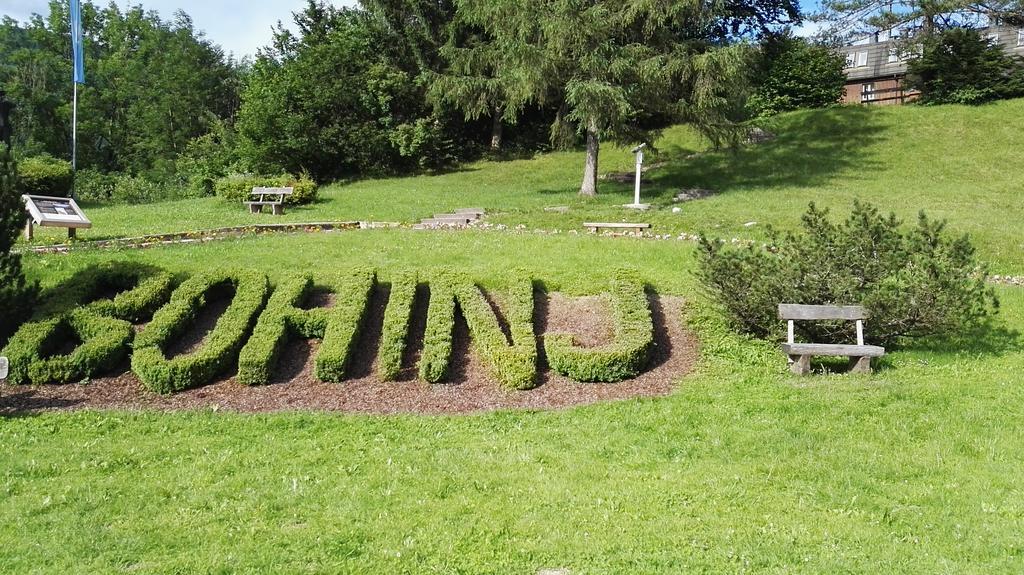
220	347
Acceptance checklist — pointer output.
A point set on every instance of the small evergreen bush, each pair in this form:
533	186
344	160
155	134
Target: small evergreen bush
627	355
914	283
44	175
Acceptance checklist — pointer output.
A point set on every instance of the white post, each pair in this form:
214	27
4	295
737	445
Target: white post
791	332
860	332
639	172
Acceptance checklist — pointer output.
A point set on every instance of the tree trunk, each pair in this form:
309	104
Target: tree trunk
496	130
589	187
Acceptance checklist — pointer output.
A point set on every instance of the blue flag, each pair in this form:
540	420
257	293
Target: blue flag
77	48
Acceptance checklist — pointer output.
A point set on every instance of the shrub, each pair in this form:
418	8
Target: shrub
345	321
796	73
395	329
914	283
44	175
129	189
206	159
437	337
514	362
622	359
238	187
94	186
221	345
16	295
102	326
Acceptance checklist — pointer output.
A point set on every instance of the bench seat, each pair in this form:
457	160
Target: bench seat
832	349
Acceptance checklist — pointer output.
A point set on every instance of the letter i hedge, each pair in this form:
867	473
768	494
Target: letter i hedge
622	359
103	326
395	330
219	348
283	320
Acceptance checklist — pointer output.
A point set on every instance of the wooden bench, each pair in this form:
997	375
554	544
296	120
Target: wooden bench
594	226
273	197
800	353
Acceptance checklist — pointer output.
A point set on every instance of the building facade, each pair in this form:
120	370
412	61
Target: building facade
876	71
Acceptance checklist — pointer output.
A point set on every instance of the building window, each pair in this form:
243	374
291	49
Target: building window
1020	37
993	38
867	92
894	55
856	59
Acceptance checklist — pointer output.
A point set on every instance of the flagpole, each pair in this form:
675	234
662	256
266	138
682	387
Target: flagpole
74	139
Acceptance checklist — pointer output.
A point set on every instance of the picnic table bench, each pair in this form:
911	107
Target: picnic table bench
800	353
594	226
273	197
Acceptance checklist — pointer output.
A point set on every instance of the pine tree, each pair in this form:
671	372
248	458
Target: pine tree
16	295
616	68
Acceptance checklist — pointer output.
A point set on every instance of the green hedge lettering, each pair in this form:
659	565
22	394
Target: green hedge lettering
514	363
627	356
395	330
220	346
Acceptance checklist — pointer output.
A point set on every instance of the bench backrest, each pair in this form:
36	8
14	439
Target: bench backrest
821	312
794	312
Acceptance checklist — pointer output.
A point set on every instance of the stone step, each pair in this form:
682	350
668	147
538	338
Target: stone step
443	222
461	218
476	211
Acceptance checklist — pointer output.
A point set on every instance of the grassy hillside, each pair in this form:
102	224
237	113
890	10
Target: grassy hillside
959	163
743	469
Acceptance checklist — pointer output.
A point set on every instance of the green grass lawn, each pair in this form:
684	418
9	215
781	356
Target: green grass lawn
959	163
744	468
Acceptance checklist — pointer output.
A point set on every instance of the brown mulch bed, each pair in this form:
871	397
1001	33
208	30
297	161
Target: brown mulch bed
468	390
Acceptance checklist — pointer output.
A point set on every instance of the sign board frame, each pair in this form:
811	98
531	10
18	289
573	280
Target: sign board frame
52	211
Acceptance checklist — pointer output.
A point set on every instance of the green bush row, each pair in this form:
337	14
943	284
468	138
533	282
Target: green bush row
346	318
238	187
219	348
622	359
102	326
395	329
437	337
514	363
44	175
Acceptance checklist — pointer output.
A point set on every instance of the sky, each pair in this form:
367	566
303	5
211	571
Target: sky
239	26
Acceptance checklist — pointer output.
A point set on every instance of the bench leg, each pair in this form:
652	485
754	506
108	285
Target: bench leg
278	209
28	229
860	365
800	364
